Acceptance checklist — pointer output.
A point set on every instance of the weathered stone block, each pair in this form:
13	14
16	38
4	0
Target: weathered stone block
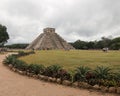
50	79
66	82
24	73
84	85
29	74
20	72
96	87
103	89
14	69
75	84
118	90
41	77
112	89
10	66
53	79
59	81
45	78
35	76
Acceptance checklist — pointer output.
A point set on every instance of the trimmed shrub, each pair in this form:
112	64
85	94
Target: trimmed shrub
115	79
90	78
110	83
64	75
11	59
36	68
52	71
22	53
116	76
20	65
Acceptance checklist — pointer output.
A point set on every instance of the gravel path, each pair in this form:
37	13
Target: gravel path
13	84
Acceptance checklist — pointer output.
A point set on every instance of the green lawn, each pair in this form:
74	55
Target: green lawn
71	59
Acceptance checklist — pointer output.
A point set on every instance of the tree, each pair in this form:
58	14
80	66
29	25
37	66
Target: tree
91	45
115	43
106	41
80	44
3	35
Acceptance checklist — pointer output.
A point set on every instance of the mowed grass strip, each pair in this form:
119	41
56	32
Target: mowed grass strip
74	58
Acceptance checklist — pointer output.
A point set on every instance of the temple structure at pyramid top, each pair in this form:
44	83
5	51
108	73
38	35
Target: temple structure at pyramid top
49	30
49	40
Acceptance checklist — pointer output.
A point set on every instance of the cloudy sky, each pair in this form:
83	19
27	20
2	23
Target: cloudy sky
73	19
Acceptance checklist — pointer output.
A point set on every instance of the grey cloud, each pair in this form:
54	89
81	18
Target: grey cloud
24	8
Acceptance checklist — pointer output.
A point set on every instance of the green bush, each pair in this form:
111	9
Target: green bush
64	75
11	59
21	53
110	83
81	73
102	72
117	76
36	68
52	70
90	78
20	65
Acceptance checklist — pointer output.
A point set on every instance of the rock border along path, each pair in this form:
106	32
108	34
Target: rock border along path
12	84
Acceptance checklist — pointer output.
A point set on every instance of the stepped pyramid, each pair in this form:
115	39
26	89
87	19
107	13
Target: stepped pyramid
49	40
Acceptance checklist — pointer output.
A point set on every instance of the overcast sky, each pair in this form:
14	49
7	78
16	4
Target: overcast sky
73	19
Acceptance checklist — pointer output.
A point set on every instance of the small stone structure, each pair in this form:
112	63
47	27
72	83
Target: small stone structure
49	40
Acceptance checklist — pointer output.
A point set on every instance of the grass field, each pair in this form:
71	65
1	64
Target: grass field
71	59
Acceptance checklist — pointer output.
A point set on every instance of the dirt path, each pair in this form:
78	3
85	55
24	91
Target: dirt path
12	84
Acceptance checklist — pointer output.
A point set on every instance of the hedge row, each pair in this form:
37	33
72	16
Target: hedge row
54	71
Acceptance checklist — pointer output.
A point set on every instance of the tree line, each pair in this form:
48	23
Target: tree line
17	46
113	44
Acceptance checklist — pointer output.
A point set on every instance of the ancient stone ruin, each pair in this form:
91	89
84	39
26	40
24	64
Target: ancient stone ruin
49	40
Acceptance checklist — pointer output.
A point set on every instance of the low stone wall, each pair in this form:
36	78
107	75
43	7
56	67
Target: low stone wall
66	82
